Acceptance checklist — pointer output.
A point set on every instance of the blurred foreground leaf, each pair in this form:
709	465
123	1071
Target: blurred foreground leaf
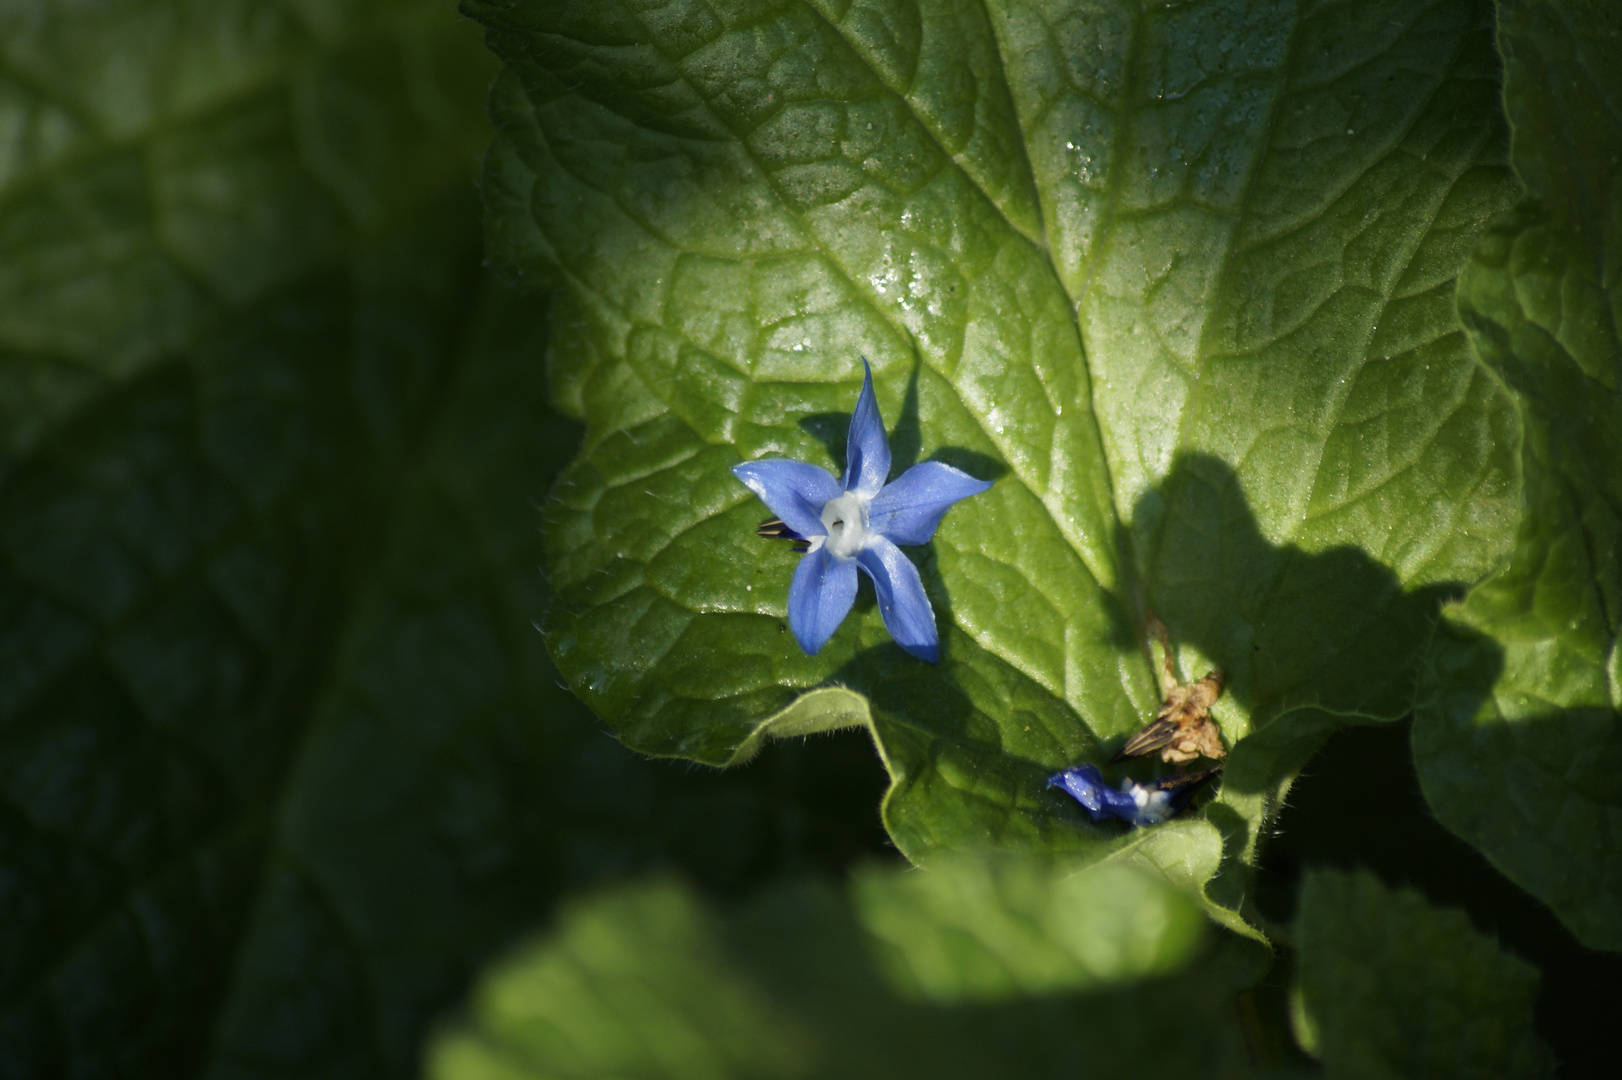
978	931
647	981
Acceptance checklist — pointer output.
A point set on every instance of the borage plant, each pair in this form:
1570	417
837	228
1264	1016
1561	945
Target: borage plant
1187	283
1286	325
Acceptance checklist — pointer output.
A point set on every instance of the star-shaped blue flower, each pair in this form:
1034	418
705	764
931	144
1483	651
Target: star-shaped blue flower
858	522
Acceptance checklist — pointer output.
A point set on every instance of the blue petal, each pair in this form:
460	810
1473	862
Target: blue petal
902	602
867	451
819	597
1086	785
908	510
795	491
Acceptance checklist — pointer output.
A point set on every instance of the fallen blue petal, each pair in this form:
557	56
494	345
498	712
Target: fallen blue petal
1134	803
1086	785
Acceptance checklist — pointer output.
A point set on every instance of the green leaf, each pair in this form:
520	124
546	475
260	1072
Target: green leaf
241	262
1178	279
983	930
1384	1004
648	981
281	756
1518	735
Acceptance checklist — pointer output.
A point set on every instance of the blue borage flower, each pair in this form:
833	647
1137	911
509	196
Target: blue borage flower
858	522
1134	803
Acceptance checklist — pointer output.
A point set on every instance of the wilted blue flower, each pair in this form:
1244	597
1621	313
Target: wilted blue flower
859	522
1132	802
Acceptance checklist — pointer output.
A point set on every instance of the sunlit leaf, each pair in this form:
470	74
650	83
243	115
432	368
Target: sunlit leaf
1178	279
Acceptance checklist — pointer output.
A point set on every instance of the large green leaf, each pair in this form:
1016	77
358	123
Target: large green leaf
1378	1002
1518	737
281	756
803	982
1178	278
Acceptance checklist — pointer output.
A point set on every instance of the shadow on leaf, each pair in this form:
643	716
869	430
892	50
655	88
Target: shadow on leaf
1309	641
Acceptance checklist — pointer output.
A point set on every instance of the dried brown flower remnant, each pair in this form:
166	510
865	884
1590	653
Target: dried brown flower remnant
1183	729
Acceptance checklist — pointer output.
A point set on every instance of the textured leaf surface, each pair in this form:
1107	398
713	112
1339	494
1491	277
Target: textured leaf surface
1384	1007
647	981
1179	279
1518	738
974	930
280	756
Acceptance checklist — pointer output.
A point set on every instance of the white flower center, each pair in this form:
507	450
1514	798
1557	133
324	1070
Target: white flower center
1153	804
845	518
